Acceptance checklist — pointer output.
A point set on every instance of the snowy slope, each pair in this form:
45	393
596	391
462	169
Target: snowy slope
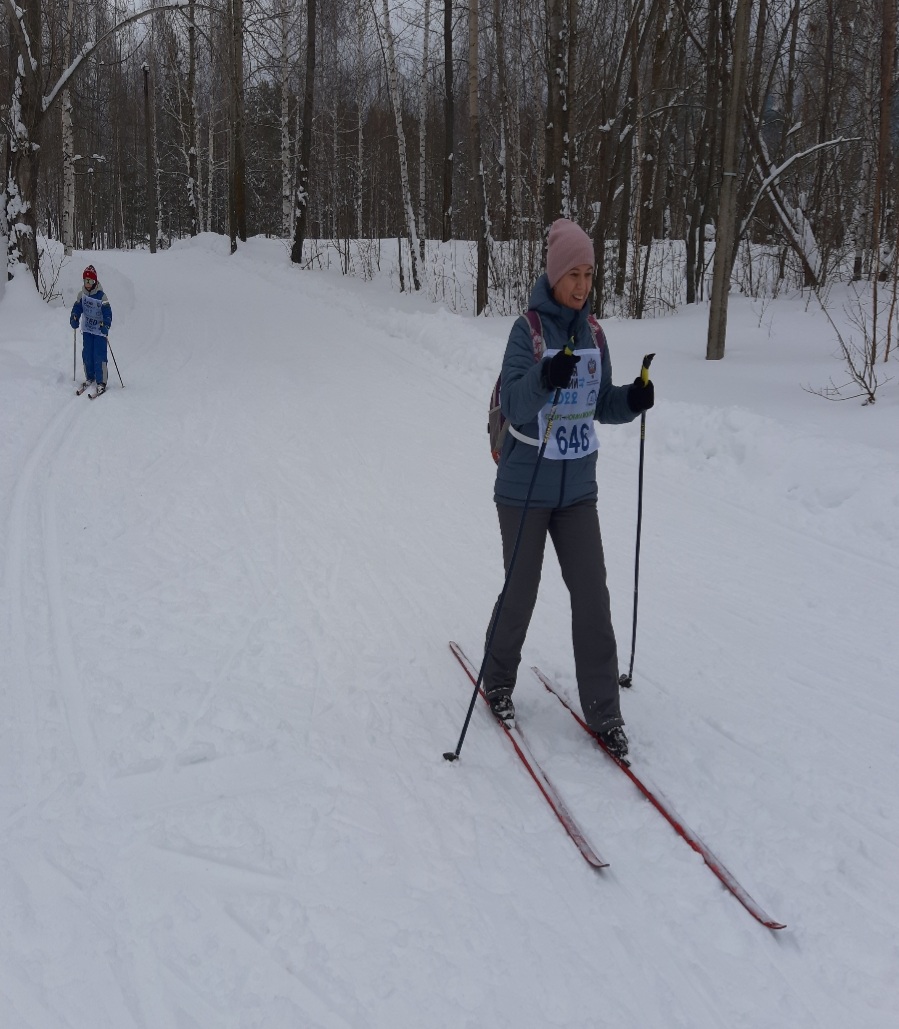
227	592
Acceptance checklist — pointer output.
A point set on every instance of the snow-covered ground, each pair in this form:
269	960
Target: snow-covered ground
225	686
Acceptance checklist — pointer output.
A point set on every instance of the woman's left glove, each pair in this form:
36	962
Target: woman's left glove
641	395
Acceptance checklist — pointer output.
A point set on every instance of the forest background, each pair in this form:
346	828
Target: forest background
704	145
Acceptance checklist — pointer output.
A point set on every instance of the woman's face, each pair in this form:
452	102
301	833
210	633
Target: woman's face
573	288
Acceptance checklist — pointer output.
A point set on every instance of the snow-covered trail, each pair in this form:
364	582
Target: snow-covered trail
228	593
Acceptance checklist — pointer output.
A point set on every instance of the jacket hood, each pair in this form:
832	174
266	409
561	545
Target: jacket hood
542	301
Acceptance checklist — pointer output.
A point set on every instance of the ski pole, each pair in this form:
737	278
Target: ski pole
627	680
115	362
74	348
453	755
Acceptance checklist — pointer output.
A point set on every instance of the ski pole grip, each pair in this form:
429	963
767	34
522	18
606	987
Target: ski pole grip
644	371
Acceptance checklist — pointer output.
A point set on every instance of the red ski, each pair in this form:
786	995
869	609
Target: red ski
662	805
550	793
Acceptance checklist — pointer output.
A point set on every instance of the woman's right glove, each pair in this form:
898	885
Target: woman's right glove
559	368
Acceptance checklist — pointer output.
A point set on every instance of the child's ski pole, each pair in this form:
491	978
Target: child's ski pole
115	362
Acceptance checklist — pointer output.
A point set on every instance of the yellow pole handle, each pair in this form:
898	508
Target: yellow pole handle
644	371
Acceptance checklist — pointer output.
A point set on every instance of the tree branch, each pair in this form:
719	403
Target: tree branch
90	48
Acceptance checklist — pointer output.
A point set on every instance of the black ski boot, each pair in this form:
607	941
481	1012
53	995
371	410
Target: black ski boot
501	705
615	742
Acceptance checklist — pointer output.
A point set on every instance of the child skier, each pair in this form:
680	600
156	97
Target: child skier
93	313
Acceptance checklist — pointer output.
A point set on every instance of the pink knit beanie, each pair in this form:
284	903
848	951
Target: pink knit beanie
567	247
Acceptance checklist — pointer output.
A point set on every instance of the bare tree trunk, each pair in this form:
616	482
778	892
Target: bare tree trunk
150	161
286	184
68	144
193	186
26	113
556	53
393	85
882	185
505	120
299	236
360	123
477	162
652	133
627	159
210	173
566	112
238	191
5	248
449	115
422	128
727	208
119	202
705	162
513	159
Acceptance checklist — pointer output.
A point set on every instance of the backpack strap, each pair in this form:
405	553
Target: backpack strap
599	337
537	340
539	344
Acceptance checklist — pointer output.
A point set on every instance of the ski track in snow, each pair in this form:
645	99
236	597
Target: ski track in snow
228	591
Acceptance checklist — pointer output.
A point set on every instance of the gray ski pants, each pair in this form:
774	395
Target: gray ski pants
578	544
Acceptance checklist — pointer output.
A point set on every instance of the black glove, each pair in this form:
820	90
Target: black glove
641	395
559	367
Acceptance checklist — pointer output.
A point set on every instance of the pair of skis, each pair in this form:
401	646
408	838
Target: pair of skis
654	796
90	396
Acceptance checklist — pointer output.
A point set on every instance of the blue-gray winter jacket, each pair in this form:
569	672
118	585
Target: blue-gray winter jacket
524	391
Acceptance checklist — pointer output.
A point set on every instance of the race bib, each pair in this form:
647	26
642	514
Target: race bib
573	432
92	315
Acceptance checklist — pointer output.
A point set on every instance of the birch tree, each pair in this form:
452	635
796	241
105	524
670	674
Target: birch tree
477	161
193	173
287	206
389	47
422	125
881	191
510	191
299	237
448	120
68	144
26	113
556	71
237	198
727	210
360	115
152	167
